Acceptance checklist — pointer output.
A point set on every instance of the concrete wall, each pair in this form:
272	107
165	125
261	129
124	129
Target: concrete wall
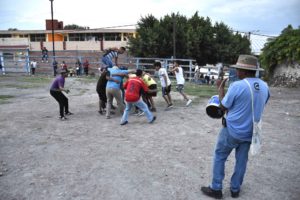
14	41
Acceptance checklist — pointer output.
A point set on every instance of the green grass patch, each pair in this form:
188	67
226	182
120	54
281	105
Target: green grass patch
35	79
5	98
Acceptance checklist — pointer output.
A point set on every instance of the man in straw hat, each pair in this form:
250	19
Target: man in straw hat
236	132
56	90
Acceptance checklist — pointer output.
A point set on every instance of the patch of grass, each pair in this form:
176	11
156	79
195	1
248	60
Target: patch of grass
202	91
192	89
5	98
35	79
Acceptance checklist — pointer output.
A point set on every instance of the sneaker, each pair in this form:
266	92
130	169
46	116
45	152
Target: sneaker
170	106
141	114
124	123
153	119
100	112
189	102
69	113
235	194
63	118
217	194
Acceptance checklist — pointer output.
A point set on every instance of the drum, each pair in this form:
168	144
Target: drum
213	108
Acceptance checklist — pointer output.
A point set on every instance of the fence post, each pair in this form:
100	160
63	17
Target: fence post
27	62
137	63
190	65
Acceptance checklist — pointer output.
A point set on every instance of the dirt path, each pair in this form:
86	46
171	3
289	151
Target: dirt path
89	157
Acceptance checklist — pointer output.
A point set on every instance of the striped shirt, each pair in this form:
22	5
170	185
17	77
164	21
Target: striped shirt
110	55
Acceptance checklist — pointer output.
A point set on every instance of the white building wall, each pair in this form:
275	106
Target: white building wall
83	45
14	41
109	44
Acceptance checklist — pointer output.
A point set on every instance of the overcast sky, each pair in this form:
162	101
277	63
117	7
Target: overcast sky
269	17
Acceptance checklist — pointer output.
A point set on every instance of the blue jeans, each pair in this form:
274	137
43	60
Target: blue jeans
141	105
226	143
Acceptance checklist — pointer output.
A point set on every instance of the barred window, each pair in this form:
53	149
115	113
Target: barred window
37	37
76	37
5	35
112	36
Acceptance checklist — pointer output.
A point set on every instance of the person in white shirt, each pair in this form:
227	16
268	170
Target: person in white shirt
196	73
165	83
177	69
33	64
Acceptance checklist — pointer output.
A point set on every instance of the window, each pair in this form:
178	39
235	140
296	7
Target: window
23	36
112	36
76	37
5	35
37	37
84	36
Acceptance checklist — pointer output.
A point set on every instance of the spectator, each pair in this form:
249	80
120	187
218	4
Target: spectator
33	65
86	67
44	54
54	65
78	67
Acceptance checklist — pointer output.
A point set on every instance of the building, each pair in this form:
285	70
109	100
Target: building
17	45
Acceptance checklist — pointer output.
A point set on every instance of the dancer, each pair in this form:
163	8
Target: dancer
110	54
133	97
177	69
56	90
165	84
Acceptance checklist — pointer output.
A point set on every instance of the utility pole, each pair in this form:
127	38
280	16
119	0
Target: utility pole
174	36
52	27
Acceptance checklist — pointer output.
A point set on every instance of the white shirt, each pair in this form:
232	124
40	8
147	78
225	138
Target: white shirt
179	76
33	64
161	73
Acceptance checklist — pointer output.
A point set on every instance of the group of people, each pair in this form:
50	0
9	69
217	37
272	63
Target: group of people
71	71
243	103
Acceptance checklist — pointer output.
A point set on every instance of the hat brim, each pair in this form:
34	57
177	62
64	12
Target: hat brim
246	68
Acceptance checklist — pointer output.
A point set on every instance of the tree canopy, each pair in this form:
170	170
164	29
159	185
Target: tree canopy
195	38
73	27
282	49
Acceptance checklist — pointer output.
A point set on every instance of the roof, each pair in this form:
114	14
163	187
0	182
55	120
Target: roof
101	30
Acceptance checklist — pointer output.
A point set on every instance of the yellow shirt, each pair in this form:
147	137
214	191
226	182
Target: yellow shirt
148	80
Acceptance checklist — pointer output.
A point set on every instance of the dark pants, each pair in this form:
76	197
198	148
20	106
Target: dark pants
32	71
102	97
62	101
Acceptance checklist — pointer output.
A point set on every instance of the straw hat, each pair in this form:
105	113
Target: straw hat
247	62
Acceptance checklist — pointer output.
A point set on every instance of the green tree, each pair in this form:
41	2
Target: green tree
195	38
284	49
73	27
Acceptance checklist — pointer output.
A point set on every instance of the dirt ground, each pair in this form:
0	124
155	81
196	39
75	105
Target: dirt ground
89	157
